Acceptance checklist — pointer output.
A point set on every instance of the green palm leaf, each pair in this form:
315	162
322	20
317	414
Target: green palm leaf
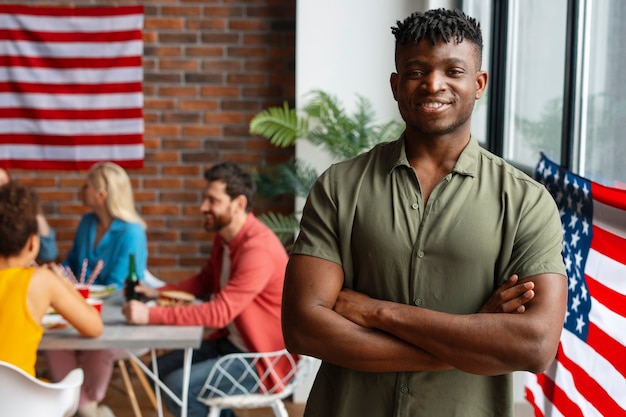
280	125
284	226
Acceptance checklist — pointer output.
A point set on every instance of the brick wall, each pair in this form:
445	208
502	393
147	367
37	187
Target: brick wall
209	67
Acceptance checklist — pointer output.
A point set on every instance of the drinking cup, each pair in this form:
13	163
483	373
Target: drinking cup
83	290
96	302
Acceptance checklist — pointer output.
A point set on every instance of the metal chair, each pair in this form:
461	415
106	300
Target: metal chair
275	375
26	396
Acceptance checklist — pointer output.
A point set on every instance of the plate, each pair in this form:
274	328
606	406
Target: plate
101	291
53	321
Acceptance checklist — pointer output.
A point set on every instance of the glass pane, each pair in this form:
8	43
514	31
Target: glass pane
481	11
535	79
602	153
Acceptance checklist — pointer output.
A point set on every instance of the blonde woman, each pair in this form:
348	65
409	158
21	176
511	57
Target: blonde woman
110	232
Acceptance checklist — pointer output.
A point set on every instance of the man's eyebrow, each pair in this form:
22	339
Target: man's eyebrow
446	61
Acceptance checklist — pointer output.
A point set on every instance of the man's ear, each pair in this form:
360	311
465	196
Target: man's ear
393	80
481	83
241	201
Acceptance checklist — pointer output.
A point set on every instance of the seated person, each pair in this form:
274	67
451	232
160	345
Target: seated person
28	292
111	232
48	251
241	284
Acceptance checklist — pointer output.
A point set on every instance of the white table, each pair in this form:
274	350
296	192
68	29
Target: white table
120	335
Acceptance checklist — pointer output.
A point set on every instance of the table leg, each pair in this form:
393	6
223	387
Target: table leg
157	386
154	375
186	376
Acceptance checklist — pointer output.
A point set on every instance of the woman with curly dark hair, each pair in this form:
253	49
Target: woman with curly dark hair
27	292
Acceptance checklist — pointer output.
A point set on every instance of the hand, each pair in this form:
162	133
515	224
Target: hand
354	306
510	297
146	291
136	312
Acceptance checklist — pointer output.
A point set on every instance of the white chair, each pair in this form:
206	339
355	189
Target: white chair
269	388
25	396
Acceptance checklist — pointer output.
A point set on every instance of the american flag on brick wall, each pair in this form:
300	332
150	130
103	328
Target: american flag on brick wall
588	377
71	86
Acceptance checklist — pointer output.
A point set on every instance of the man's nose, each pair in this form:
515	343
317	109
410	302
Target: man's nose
434	82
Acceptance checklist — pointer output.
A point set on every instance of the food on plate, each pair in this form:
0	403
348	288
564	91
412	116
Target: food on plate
169	298
53	321
101	291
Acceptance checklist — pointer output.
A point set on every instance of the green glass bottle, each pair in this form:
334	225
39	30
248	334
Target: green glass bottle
131	280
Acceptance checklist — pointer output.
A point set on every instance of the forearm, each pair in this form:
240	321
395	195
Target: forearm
328	336
486	344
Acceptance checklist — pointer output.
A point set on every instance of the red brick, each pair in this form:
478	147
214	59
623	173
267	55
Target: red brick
163	23
209	67
160	209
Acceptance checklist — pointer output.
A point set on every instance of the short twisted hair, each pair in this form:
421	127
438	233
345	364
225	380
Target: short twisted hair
19	206
439	25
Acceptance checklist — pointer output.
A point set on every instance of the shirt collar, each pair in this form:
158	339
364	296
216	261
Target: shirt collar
467	164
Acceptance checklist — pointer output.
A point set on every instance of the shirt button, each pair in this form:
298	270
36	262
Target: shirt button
414	206
404	389
420	254
418	301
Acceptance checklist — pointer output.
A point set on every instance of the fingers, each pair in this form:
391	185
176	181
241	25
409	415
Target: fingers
518	304
510	297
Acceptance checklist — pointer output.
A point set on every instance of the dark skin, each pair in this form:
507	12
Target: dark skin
435	87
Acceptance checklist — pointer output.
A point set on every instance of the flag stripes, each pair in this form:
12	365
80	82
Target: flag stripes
588	376
71	86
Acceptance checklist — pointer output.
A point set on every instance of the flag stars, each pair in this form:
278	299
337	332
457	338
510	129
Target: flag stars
576	187
575	238
573	282
573	221
583	292
585	225
559	197
580	324
579	260
541	167
575	303
568	263
586	191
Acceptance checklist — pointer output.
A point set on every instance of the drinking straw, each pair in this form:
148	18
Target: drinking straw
95	272
83	271
69	274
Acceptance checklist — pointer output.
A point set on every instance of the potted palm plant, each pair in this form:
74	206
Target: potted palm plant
323	122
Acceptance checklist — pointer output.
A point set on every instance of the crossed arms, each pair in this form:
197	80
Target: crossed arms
352	330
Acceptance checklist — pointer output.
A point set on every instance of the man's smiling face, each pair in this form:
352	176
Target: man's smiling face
436	85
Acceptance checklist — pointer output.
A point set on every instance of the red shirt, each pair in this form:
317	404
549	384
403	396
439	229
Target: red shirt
252	297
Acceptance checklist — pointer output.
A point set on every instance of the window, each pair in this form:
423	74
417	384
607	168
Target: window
603	93
556	84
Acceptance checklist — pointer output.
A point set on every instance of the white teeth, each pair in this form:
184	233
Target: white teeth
432	105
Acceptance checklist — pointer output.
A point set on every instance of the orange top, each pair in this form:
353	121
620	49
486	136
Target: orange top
20	333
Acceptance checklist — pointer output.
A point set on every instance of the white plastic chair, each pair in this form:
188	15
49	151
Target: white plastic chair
269	388
25	396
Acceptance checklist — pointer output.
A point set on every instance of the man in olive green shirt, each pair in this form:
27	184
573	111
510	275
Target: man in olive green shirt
401	247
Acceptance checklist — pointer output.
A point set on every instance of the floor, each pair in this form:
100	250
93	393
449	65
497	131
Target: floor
118	401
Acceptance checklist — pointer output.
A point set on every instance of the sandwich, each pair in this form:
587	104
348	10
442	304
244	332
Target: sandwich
169	298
